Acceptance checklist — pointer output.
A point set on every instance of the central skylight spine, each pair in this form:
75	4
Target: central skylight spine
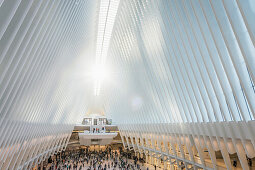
107	14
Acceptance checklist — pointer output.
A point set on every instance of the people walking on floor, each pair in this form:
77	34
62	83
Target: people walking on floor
84	159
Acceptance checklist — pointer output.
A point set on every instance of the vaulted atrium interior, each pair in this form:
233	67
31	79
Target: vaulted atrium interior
167	82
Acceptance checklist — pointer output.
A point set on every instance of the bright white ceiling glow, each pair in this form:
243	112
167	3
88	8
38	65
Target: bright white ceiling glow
99	73
107	14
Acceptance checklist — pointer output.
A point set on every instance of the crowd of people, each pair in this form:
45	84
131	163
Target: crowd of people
93	160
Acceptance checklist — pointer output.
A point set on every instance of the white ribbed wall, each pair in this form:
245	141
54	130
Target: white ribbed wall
44	45
187	61
185	78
